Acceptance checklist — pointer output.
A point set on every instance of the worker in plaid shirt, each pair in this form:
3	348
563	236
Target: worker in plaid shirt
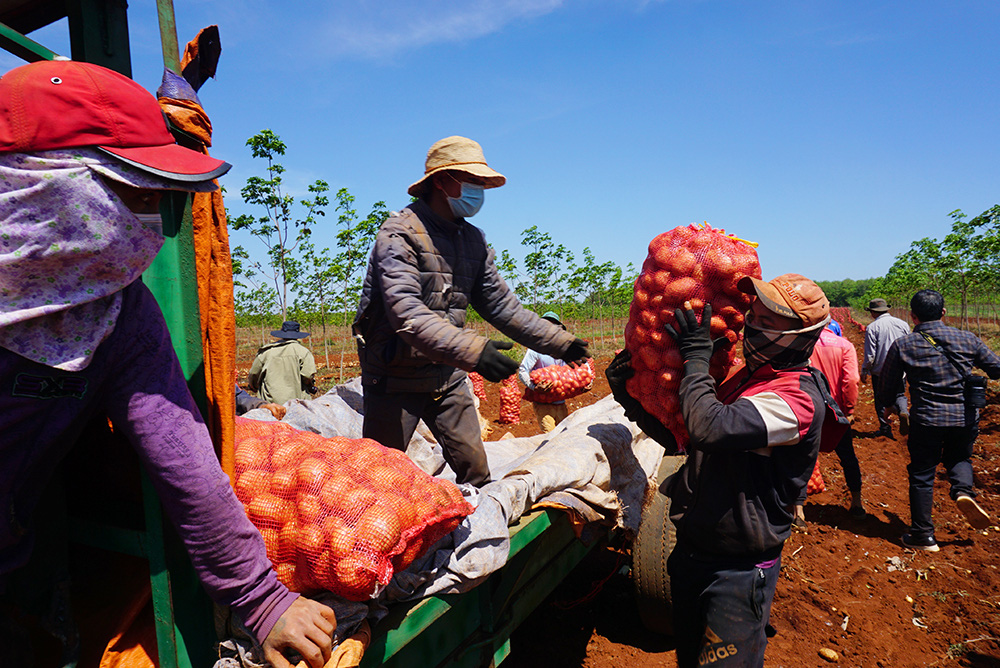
943	429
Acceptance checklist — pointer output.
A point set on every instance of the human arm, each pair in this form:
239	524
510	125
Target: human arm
149	403
306	627
868	356
618	373
849	379
246	402
528	363
891	378
987	360
256	371
307	370
496	302
779	416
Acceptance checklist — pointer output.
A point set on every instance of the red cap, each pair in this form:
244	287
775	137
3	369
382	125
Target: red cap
59	104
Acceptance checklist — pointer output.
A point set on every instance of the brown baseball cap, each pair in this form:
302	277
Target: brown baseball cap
791	296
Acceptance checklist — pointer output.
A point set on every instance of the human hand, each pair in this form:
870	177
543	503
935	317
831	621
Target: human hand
493	365
543	385
306	627
693	339
617	373
277	410
577	353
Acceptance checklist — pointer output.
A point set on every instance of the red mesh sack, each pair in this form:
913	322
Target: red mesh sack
695	263
816	483
510	401
338	514
567	382
478	386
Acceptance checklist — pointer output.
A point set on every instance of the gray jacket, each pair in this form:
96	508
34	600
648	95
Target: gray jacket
423	273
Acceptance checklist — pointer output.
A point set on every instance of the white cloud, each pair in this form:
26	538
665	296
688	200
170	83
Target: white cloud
380	29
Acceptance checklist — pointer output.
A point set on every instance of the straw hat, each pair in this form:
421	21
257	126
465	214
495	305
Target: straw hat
457	154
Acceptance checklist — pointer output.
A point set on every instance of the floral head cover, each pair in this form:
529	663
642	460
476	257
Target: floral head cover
68	246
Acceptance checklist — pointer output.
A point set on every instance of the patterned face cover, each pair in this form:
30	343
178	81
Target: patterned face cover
780	349
68	246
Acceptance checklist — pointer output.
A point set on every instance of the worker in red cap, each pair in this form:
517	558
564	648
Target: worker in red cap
753	446
85	156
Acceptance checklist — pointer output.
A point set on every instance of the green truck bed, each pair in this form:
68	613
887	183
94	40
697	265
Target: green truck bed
474	628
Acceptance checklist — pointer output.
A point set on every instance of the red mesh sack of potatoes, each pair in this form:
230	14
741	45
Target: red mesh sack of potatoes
338	514
510	401
694	263
567	382
816	483
478	386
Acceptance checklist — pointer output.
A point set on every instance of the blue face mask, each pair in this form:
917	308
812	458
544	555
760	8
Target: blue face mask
469	203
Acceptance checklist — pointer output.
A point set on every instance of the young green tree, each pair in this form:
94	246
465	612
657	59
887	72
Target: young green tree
315	287
354	241
277	228
541	265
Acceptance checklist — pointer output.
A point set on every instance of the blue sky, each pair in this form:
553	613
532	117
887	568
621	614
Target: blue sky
832	133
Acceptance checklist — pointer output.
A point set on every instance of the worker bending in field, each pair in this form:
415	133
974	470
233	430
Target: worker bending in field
85	156
548	414
427	266
753	445
284	369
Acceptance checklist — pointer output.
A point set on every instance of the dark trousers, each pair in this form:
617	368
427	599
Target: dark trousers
881	403
392	417
848	462
720	609
930	446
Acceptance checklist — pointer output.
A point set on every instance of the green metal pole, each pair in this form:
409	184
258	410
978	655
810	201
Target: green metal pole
22	47
168	35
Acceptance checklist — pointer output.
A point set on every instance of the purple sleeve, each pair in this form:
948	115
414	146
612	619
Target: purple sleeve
153	407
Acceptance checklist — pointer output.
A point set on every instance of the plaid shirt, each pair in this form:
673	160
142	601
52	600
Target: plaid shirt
936	397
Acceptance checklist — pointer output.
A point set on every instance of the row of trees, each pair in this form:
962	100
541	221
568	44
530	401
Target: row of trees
964	266
320	287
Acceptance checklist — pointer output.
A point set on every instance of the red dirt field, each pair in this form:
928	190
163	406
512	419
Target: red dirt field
847	585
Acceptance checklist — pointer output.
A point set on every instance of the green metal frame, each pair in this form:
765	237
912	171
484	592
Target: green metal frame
473	629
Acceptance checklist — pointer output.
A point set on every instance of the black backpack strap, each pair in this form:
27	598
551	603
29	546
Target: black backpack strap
824	388
944	351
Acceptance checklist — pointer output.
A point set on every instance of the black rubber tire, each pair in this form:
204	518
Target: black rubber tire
652	546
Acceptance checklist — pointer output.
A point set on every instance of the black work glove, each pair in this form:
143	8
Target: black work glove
619	371
493	365
694	340
577	353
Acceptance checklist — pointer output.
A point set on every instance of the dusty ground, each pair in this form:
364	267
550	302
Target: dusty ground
847	585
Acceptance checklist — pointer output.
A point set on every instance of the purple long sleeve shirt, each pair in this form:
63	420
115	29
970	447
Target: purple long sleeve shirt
136	380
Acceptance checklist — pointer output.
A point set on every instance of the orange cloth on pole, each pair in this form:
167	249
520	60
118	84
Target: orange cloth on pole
214	270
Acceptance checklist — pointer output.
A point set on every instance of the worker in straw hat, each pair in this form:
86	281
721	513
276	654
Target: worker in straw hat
85	157
428	265
754	441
